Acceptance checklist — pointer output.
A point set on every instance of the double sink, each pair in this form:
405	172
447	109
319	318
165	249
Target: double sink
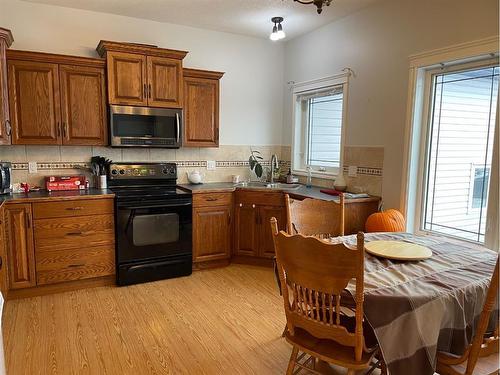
268	186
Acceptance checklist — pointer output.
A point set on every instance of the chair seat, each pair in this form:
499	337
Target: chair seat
484	366
329	350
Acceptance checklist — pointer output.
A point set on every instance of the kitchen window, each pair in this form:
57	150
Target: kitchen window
458	149
319	125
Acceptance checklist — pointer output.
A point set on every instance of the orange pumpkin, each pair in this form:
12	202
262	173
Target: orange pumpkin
386	221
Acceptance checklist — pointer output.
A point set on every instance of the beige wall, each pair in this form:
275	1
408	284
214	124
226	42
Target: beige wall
376	43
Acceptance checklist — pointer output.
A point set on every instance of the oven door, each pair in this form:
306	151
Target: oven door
151	230
145	127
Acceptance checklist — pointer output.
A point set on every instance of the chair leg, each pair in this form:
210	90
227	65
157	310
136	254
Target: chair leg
350	371
293	358
383	368
284	332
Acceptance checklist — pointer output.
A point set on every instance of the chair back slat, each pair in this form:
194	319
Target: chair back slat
315	217
314	273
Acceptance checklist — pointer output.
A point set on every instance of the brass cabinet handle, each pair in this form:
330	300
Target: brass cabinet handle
58	125
28	220
76	265
64	127
74	208
74	233
149	91
229	219
253	205
145	91
241	204
211	199
8	128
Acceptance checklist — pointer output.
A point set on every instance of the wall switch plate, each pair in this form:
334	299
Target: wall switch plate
352	171
210	165
32	167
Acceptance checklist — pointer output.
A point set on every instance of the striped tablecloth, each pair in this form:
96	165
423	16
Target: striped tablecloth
418	308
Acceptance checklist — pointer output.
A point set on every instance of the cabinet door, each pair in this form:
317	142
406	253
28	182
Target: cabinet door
201	112
20	249
245	231
3	257
127	78
164	82
211	233
34	102
5	126
266	245
83	105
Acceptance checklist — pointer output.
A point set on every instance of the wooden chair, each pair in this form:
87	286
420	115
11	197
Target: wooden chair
481	356
314	273
315	217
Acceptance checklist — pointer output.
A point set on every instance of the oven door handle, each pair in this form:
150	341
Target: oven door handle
161	205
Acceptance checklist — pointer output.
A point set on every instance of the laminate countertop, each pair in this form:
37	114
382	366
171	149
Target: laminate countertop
302	192
44	195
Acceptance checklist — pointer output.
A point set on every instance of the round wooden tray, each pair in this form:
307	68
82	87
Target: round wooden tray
398	250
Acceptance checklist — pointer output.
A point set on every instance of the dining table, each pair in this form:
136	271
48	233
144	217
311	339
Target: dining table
417	308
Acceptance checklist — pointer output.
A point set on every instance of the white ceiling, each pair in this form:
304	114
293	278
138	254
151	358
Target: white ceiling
248	17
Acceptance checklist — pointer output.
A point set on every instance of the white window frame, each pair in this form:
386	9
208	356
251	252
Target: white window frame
299	131
422	66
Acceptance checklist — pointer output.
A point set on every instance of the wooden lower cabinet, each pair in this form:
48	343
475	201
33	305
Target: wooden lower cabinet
212	224
20	245
58	241
253	213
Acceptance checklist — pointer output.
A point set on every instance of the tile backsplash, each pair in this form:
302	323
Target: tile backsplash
230	160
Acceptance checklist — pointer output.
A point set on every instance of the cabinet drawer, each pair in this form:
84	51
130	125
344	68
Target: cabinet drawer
260	198
59	266
212	199
80	207
73	232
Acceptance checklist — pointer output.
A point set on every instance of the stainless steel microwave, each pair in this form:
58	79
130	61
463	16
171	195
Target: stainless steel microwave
145	127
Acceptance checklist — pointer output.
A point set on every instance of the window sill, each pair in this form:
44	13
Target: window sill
315	174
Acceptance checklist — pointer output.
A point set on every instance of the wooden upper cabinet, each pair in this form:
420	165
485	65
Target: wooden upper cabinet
143	75
83	105
20	245
34	102
127	83
5	125
56	99
164	82
201	108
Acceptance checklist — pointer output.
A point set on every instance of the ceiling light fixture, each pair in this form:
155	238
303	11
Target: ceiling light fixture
278	32
319	3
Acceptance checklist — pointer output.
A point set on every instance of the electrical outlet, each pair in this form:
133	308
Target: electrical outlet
211	165
352	171
32	167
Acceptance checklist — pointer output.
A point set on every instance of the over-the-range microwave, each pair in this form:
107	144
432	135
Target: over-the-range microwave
145	127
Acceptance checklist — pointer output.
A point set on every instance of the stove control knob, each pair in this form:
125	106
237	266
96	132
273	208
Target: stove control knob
165	171
122	171
136	172
114	172
172	170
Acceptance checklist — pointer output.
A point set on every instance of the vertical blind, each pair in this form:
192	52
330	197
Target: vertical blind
324	128
460	148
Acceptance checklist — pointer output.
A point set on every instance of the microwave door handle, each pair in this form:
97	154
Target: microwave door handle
178	127
3	177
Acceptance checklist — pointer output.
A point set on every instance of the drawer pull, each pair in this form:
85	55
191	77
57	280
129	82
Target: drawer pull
76	265
212	199
74	208
253	205
74	233
241	204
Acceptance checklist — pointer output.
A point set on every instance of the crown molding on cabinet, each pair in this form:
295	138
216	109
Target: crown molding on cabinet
143	49
7	36
198	73
13	54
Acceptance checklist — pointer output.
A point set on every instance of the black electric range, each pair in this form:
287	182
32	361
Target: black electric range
153	220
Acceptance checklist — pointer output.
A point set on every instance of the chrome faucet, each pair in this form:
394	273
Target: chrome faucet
274	165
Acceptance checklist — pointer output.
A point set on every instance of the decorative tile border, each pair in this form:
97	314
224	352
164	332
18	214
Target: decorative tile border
284	164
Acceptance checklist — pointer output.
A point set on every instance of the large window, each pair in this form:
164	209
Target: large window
459	147
318	126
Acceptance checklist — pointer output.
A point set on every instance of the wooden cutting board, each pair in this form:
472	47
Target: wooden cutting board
398	250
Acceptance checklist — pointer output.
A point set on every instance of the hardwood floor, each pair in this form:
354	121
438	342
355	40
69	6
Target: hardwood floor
222	321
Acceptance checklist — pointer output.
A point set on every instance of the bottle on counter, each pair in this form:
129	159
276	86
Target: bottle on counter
309	177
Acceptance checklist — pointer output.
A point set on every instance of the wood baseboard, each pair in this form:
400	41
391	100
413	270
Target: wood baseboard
254	261
61	287
211	264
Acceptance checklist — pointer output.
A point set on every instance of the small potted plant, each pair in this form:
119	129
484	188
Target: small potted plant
255	160
100	167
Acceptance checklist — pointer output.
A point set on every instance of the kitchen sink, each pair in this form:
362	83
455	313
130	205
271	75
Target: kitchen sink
267	185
